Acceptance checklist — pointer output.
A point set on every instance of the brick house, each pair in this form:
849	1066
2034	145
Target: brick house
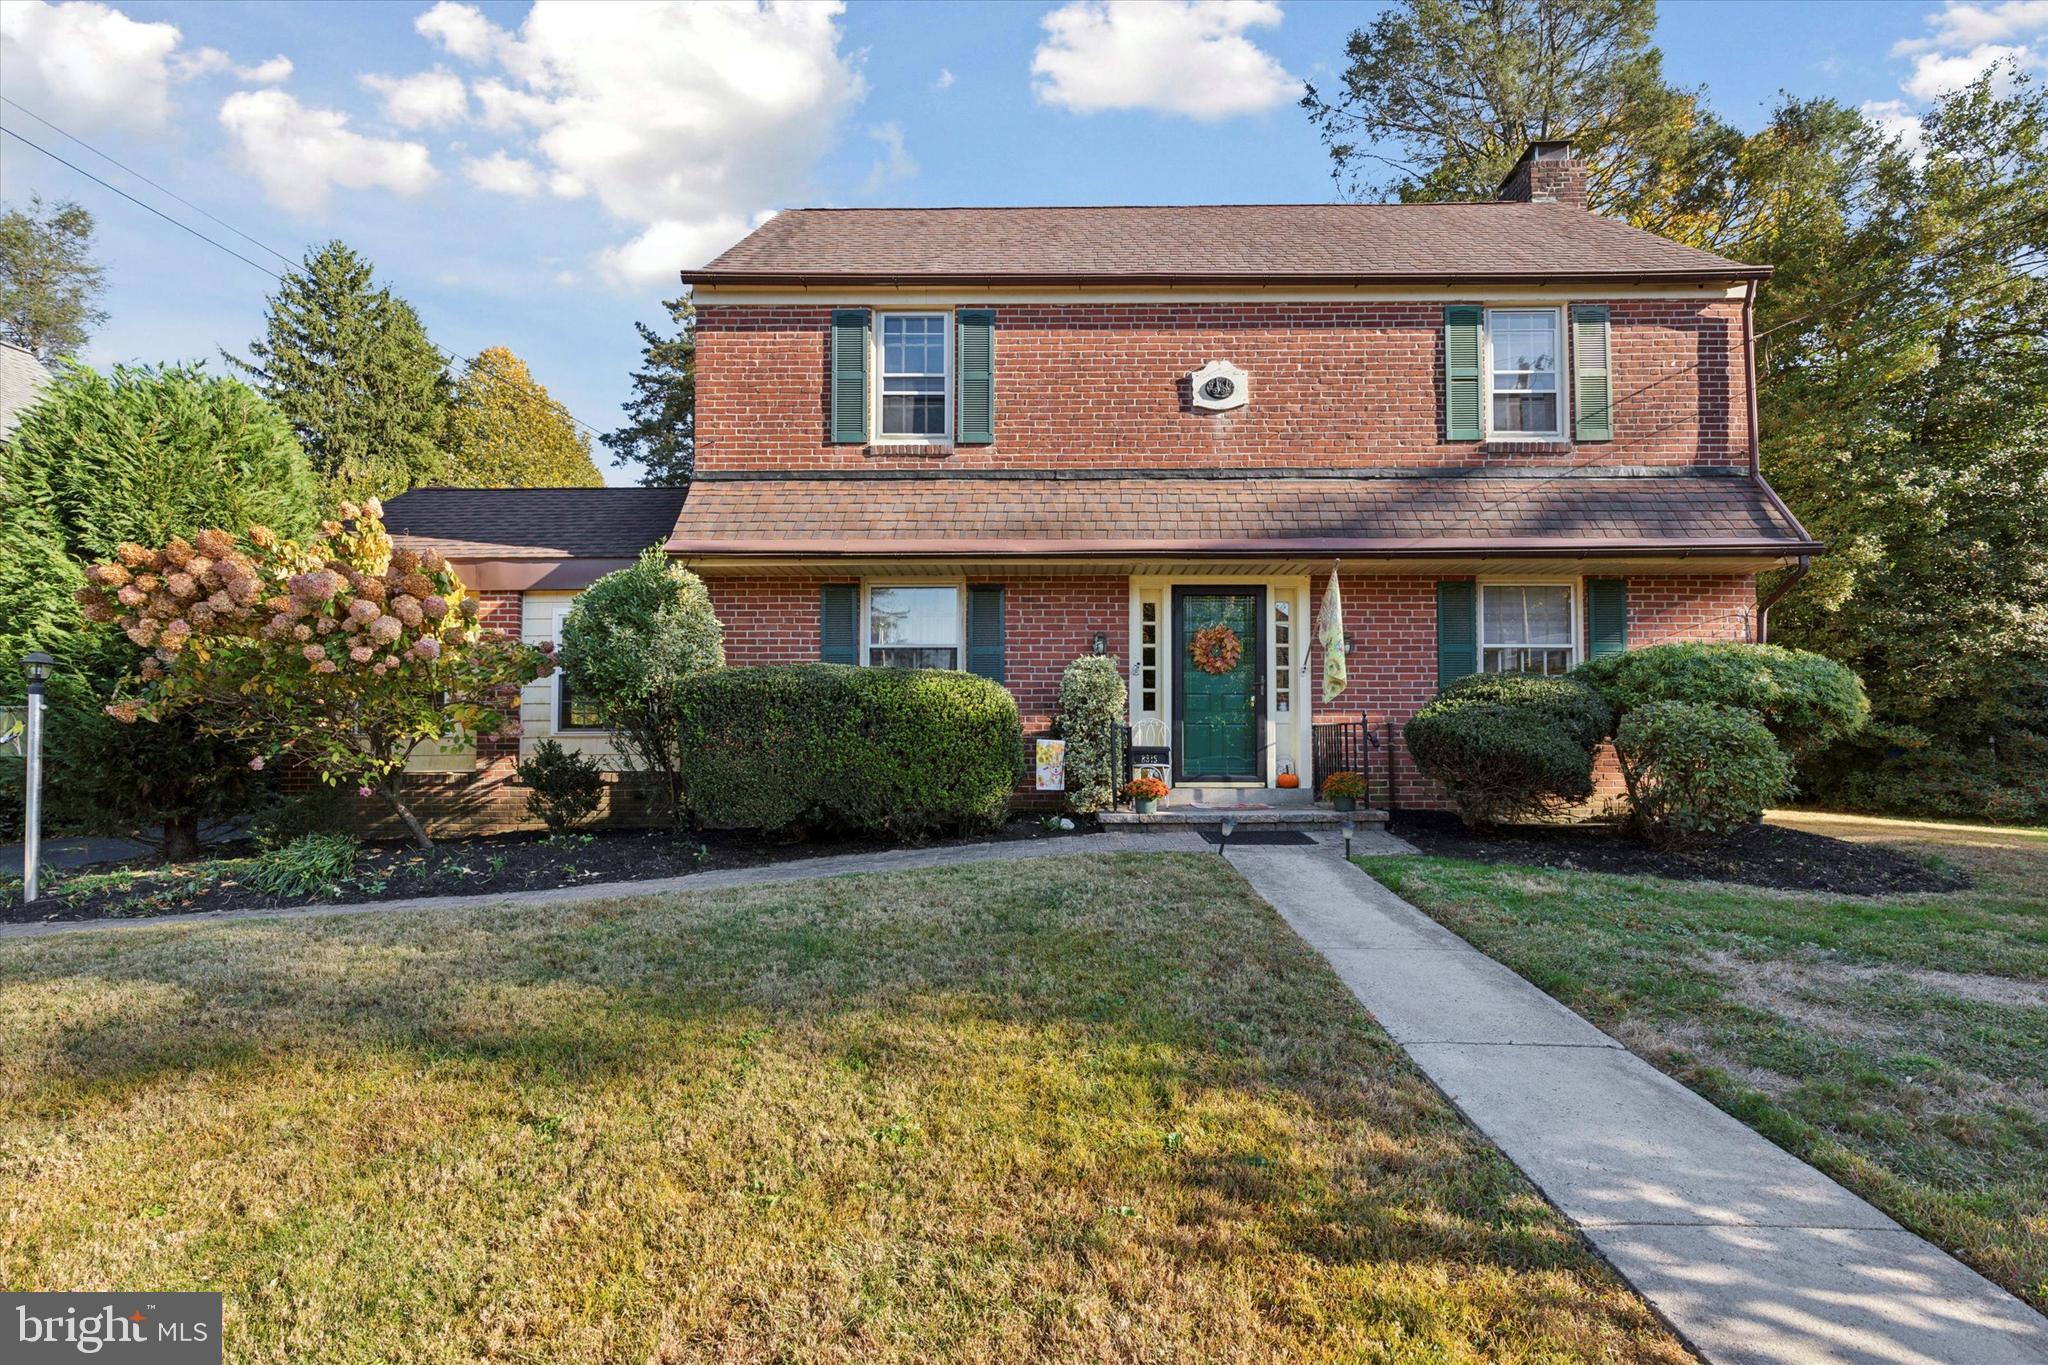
999	439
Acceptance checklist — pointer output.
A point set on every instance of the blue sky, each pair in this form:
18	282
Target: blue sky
534	175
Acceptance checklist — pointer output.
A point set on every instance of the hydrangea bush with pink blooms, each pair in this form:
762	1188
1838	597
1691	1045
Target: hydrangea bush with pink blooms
343	652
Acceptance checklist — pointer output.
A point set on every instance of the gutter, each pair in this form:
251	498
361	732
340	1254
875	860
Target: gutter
1307	546
1109	279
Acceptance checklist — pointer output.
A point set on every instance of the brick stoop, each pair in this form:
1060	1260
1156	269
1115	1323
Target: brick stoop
1247	817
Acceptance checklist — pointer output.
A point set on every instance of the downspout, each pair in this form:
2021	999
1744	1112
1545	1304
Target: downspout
1784	585
1756	468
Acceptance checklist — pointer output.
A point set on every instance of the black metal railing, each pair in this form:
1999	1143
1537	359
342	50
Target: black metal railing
1343	746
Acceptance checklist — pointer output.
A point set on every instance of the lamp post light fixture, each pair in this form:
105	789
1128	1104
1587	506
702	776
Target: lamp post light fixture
1225	827
1350	828
36	665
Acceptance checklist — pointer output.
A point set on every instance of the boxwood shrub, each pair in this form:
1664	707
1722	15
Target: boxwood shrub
1509	747
1805	699
1698	773
831	748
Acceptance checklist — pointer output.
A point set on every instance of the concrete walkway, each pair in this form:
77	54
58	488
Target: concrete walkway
796	870
1750	1254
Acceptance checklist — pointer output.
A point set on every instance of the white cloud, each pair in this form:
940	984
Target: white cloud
88	66
683	119
430	99
944	80
503	174
1938	73
300	155
1188	57
462	29
1968	25
1898	120
277	69
895	162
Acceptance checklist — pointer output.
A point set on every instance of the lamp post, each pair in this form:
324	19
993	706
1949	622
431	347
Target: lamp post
36	664
1225	827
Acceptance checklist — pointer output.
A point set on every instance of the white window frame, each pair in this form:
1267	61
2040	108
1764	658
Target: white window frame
1564	416
881	351
1571	585
866	625
556	718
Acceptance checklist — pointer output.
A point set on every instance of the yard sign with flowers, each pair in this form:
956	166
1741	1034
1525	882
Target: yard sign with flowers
341	653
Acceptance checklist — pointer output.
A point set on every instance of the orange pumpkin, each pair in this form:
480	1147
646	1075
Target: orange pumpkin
1287	780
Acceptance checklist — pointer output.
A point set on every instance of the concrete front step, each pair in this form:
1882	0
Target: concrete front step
1247	817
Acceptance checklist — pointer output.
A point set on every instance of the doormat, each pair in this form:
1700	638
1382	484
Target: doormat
1259	836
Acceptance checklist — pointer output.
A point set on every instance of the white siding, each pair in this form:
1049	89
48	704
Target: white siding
539	612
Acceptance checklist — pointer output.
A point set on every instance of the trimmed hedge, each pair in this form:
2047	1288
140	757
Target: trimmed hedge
1699	773
1805	699
1506	747
838	749
1092	705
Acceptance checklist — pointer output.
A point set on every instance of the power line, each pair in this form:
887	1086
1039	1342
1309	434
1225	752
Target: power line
468	366
161	189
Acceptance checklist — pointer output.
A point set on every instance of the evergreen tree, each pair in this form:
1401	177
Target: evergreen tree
48	279
661	431
142	456
349	365
504	431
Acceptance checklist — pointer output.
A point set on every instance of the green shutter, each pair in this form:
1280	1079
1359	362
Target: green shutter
839	623
1606	616
976	355
985	632
1457	632
1592	382
849	376
1462	395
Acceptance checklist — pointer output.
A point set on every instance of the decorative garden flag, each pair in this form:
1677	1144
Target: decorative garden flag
1330	634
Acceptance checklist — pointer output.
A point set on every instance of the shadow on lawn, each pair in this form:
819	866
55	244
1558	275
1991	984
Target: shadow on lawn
1134	990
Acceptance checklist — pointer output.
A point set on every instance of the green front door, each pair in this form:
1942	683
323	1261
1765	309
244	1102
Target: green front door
1220	715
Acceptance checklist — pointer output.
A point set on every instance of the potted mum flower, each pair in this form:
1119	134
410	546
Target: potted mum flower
1145	793
1344	790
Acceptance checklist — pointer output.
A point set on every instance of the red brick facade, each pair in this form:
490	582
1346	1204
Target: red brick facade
1337	384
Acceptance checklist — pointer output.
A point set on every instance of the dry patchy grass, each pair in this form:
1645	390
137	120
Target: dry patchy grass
1096	1108
1898	1043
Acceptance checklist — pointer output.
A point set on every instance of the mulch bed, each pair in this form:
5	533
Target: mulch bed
455	867
1762	855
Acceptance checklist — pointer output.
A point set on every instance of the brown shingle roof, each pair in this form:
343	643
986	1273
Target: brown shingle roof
1226	243
1044	515
533	523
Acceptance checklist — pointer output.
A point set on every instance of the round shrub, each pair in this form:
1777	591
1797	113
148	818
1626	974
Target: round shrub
1499	763
1698	773
628	644
1092	707
566	787
827	747
1565	701
1805	699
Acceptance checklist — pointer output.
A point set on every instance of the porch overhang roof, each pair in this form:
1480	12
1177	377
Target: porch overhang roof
1052	515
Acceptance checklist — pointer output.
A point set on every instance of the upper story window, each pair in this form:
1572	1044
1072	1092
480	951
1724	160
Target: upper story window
1528	628
1524	351
914	627
911	396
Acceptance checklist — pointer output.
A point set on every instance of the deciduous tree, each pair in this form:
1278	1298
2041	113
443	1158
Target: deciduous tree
48	278
504	431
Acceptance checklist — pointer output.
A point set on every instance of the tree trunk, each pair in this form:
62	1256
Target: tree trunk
181	838
389	790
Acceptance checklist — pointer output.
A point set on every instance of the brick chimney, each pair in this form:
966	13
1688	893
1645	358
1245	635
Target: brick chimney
1548	173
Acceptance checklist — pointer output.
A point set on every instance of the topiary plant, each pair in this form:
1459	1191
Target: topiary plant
1698	773
1571	703
1093	705
1805	699
566	787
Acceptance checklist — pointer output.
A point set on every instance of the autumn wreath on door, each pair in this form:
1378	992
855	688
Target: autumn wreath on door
1216	649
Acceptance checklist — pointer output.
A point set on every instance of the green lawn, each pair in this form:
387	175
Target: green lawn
1087	1109
1900	1044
